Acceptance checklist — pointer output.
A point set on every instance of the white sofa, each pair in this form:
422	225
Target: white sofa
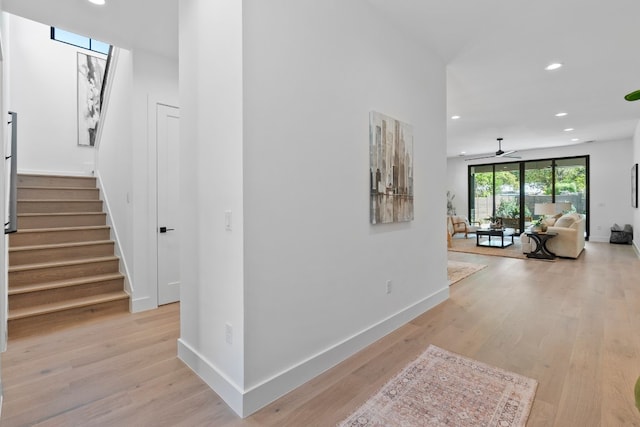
569	242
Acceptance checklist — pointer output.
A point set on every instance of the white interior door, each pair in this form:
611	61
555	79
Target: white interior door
168	137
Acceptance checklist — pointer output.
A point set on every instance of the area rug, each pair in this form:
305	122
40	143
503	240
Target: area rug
469	246
458	270
441	388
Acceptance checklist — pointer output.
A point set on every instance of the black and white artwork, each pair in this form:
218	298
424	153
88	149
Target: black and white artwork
90	76
390	169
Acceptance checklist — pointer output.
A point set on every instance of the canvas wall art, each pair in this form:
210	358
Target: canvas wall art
390	169
90	76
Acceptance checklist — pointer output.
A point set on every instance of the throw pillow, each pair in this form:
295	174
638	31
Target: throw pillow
565	221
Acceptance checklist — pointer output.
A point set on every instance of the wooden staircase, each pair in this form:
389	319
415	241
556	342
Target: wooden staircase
62	267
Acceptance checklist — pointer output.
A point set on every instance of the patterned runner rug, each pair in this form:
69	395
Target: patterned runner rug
441	388
458	270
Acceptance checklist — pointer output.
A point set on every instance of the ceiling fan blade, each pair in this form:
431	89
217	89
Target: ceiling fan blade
505	153
478	158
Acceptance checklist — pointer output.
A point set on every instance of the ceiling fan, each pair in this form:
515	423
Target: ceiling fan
499	153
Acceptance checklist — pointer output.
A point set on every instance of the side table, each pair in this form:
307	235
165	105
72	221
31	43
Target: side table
541	251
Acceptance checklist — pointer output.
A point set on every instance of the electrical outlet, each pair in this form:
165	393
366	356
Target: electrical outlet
228	332
389	286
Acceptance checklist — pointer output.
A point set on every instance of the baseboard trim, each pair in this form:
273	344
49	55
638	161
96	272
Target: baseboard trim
213	377
246	402
142	304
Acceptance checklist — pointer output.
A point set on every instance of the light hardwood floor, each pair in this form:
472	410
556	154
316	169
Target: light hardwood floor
572	325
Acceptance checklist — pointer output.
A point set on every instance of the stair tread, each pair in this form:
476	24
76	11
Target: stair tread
41	187
65	305
60	213
62	229
55	284
36	266
60	245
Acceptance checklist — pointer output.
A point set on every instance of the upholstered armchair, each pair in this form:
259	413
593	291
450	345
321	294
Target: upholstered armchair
460	224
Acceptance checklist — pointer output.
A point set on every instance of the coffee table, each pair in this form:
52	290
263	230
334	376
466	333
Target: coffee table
495	233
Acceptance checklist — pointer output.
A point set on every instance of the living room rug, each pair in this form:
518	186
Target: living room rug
458	270
441	388
469	246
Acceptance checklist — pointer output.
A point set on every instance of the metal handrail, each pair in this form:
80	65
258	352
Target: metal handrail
107	69
12	225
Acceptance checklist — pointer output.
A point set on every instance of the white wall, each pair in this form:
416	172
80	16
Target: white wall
155	80
304	272
113	160
609	182
636	212
127	161
43	91
3	240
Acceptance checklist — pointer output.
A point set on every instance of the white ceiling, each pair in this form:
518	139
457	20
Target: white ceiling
132	24
495	51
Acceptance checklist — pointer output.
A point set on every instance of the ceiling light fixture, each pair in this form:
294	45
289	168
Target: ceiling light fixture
98	2
561	114
553	66
575	139
455	117
568	129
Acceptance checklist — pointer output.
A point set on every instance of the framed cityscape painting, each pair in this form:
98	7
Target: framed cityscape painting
90	76
390	169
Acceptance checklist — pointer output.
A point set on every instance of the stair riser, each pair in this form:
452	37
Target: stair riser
58	193
42	275
68	293
35	256
54	321
51	221
59	207
55	181
52	237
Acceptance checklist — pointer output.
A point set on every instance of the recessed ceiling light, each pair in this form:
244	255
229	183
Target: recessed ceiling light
455	117
553	66
568	129
98	2
463	152
561	114
575	139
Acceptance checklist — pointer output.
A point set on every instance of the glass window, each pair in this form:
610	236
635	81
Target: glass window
510	191
79	41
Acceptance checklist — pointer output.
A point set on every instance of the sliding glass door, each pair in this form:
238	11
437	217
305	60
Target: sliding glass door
510	191
507	200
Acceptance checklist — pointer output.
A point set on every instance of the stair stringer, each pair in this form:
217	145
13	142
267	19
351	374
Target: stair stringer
123	266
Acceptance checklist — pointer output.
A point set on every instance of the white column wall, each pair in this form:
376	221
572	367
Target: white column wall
211	182
301	279
609	184
44	93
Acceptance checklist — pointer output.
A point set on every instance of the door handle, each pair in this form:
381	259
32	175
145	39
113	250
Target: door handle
165	229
